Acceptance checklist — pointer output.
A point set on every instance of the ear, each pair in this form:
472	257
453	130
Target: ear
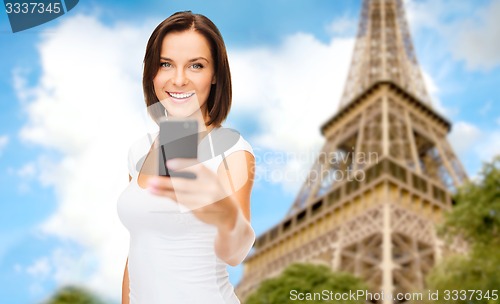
214	80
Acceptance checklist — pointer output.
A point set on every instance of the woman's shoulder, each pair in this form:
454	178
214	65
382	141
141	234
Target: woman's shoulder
241	145
224	141
219	144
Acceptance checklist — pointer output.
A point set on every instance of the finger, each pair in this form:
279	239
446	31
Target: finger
186	168
160	182
184	185
162	192
176	184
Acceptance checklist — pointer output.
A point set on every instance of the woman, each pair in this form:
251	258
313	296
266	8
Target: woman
175	256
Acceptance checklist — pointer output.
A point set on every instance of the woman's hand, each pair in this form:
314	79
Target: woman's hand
205	195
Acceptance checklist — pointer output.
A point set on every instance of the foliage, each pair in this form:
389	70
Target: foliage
305	278
475	219
476	216
73	295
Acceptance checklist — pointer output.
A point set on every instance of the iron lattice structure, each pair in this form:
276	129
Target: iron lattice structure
383	178
384	51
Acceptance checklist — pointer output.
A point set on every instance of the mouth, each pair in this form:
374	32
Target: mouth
179	97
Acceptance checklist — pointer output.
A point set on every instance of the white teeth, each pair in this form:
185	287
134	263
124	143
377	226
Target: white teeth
181	95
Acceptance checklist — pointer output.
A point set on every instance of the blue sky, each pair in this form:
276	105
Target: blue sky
70	104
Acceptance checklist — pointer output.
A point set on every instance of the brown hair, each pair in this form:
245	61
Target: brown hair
219	99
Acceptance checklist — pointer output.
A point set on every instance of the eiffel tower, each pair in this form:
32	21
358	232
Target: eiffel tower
383	178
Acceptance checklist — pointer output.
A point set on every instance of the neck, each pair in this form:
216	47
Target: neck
202	117
202	134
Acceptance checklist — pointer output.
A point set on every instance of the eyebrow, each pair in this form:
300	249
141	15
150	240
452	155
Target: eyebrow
190	60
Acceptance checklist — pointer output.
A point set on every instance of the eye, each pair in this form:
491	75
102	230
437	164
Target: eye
197	66
165	64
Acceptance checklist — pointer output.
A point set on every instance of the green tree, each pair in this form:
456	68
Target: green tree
305	278
475	219
476	216
73	295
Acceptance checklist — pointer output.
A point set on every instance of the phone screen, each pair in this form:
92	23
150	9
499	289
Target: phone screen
178	139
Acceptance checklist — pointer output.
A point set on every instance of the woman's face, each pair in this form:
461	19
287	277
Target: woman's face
185	75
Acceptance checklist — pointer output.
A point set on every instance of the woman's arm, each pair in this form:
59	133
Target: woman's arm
233	244
235	235
125	286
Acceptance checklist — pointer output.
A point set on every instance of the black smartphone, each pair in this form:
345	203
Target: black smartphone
178	139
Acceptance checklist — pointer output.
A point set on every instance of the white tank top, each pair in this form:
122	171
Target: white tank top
171	256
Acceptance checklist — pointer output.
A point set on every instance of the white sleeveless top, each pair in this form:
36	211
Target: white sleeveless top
171	256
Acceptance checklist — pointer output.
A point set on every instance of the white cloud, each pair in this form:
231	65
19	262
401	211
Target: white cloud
39	271
468	31
489	147
477	39
437	14
486	107
40	268
464	137
469	140
424	14
344	25
27	171
4	140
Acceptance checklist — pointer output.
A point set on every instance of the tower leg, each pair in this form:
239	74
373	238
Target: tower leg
387	265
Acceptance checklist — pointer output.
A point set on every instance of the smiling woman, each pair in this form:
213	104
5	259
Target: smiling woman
186	71
184	232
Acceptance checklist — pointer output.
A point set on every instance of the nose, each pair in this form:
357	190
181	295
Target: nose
180	78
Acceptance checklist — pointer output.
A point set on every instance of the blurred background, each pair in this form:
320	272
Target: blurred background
71	104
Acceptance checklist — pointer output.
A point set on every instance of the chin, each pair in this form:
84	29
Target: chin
179	113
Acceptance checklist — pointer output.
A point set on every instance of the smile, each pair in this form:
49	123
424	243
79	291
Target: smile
180	95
